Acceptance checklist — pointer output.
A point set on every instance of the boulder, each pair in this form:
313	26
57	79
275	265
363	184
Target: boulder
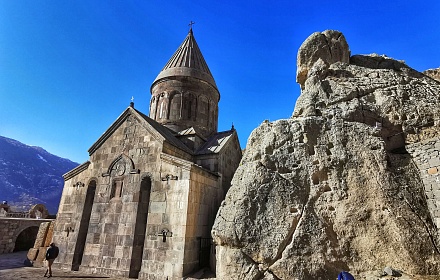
335	187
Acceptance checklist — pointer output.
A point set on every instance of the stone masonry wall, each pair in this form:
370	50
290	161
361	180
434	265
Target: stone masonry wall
199	107
7	231
426	155
167	211
205	199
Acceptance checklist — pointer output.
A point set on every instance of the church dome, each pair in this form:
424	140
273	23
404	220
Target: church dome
187	61
184	94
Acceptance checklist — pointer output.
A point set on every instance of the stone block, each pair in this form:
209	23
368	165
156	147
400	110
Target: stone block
93	249
111	228
155	218
157	207
433	171
32	254
119	252
168	270
41	235
157	196
41	256
49	234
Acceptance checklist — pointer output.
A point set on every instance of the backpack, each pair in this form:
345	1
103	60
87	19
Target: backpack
344	275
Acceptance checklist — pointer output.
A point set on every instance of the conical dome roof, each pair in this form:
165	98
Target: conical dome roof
187	61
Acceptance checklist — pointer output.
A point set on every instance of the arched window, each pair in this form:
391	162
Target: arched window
189	110
189	106
163	105
175	105
153	107
161	110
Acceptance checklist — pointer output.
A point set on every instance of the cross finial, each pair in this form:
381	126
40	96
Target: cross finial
132	102
191	23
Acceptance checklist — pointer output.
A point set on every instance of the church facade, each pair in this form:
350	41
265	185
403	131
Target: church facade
144	204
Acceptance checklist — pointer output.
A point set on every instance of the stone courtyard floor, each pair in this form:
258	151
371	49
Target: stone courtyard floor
12	267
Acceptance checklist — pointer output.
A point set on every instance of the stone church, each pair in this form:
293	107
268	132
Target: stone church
144	204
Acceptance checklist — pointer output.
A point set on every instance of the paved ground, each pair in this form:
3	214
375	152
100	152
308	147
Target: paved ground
13	267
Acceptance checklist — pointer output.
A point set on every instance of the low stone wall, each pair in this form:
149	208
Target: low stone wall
10	228
7	231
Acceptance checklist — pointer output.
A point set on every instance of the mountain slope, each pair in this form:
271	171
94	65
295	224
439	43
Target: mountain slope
30	175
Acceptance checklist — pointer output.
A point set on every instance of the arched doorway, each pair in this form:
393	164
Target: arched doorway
26	239
140	228
84	226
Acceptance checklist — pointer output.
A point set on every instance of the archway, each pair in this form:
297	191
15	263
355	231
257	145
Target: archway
140	228
26	239
84	226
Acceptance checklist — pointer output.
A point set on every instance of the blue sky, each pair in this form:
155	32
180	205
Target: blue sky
68	69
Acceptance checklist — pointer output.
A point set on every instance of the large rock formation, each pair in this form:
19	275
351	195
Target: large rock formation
344	184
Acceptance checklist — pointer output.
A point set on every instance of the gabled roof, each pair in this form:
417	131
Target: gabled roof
216	142
187	61
80	168
167	133
161	131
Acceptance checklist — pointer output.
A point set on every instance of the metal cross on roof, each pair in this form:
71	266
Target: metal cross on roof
191	23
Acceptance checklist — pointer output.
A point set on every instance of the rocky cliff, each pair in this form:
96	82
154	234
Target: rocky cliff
344	183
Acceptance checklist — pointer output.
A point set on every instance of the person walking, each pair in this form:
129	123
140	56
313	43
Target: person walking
51	254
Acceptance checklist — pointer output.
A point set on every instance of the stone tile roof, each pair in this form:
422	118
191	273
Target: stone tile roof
191	131
187	61
215	143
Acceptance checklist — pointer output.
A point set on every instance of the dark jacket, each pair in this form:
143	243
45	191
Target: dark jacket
344	275
52	252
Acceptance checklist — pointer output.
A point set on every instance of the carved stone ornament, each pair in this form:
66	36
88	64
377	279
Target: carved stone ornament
169	177
121	165
78	185
119	168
